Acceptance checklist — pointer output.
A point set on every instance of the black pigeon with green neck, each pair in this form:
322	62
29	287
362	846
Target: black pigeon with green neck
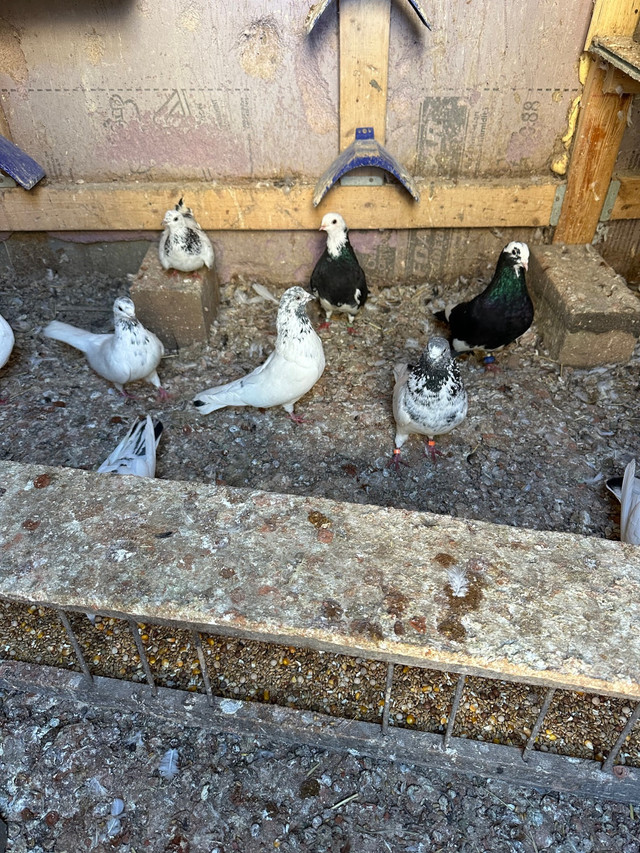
498	315
338	280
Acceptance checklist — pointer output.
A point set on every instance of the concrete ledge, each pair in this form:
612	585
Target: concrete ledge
585	312
541	607
178	307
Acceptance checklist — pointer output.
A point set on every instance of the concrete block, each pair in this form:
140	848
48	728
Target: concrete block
585	312
178	307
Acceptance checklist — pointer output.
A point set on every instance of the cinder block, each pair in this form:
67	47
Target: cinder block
178	307
584	310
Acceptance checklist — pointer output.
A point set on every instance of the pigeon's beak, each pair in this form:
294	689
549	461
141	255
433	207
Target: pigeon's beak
525	264
322	228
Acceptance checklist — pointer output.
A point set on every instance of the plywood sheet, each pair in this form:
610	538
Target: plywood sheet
179	90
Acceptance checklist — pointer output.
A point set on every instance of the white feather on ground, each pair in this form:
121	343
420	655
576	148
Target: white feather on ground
129	353
458	582
168	767
291	370
628	493
136	453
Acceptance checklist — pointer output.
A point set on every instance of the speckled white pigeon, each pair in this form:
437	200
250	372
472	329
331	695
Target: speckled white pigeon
184	246
7	341
136	453
429	397
291	370
627	490
129	353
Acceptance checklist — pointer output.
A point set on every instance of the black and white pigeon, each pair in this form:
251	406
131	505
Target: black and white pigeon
129	353
429	397
184	246
498	315
7	341
291	370
627	490
338	280
136	453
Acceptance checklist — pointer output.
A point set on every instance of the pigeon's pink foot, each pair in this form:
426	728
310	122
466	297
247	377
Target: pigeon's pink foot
351	330
430	448
325	325
163	395
490	364
297	419
127	395
3	400
395	462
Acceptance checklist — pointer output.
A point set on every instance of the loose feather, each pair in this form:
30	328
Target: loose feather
458	581
168	767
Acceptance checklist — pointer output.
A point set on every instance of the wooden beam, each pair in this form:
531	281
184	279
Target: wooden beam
601	125
260	207
616	82
627	204
364	59
613	18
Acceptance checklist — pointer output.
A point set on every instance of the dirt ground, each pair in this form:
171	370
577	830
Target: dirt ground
534	451
75	778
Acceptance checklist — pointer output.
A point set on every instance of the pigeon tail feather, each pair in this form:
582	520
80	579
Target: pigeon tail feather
72	335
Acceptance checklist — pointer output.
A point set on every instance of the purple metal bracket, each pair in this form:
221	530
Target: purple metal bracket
363	151
19	165
318	8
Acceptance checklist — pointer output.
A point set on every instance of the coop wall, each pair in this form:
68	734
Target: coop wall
187	90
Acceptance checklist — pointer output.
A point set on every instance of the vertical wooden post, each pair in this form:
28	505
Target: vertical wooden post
613	18
364	62
601	125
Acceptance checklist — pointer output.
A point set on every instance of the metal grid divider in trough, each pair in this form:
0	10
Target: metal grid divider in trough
522	765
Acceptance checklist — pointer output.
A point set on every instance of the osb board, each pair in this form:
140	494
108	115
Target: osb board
540	606
239	90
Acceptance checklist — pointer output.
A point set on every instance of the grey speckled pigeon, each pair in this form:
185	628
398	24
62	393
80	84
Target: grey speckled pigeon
429	397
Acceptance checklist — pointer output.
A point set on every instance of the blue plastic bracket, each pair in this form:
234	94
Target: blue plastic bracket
19	165
318	8
365	150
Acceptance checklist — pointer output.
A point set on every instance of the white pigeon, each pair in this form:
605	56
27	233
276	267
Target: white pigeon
136	453
627	490
7	341
129	353
291	370
184	246
429	397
